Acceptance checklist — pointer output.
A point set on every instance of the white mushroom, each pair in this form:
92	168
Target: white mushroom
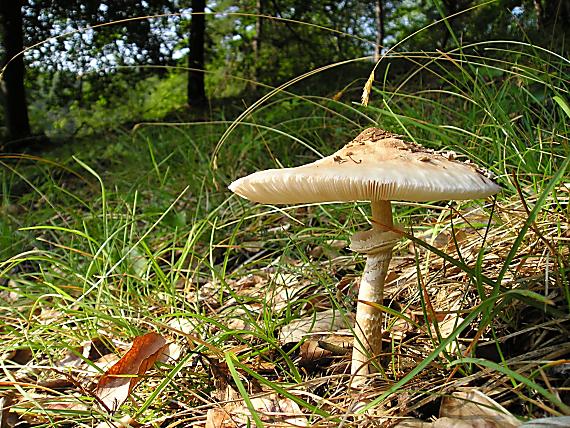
376	166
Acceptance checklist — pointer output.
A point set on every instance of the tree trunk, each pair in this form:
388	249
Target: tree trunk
256	45
380	34
555	13
196	88
539	14
14	93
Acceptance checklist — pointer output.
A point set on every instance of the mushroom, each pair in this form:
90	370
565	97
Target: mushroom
380	167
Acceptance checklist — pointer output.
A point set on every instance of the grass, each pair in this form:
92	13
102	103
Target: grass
136	232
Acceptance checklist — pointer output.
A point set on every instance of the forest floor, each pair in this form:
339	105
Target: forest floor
135	289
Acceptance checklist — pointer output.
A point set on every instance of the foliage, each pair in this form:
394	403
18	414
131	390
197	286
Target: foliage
151	98
73	62
135	40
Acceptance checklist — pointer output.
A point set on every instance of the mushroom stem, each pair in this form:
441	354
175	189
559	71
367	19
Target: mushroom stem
377	244
382	215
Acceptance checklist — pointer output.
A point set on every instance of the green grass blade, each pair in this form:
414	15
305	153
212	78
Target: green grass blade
553	398
229	358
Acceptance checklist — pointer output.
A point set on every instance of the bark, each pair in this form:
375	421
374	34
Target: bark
451	9
257	40
196	88
555	13
14	93
380	31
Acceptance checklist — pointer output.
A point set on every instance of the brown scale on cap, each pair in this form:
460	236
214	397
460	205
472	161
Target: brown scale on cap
376	165
378	138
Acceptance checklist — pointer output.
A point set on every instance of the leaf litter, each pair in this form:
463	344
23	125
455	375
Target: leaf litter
428	297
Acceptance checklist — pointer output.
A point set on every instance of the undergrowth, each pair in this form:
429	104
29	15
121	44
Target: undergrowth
133	231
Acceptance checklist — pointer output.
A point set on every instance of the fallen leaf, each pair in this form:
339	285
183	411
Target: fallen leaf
7	418
250	281
469	409
556	422
310	352
39	408
11	293
316	323
91	350
446	423
461	423
477	410
252	246
20	356
181	326
272	410
116	384
239	317
219	417
447	327
103	364
48	316
171	353
317	349
413	423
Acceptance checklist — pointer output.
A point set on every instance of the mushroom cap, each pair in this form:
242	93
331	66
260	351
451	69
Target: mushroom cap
376	165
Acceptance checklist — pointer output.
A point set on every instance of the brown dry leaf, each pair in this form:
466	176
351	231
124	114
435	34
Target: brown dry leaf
275	289
310	352
467	409
181	326
252	246
11	293
318	323
460	423
239	317
447	327
42	409
250	281
216	418
444	423
320	347
116	384
82	365
48	316
204	293
413	423
400	328
272	410
7	418
329	249
476	409
103	364
551	422
171	353
20	356
91	350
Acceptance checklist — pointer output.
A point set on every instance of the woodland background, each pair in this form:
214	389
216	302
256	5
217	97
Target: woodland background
96	55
